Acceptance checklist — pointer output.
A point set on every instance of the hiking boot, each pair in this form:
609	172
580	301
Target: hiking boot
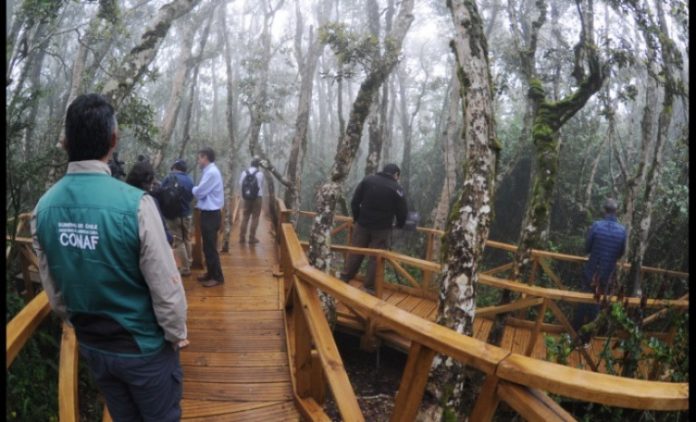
211	283
204	277
367	289
185	273
253	240
242	240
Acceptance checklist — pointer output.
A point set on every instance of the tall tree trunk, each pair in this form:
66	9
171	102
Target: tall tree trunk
450	157
468	224
550	116
374	144
176	93
231	116
328	194
642	216
194	68
134	65
307	69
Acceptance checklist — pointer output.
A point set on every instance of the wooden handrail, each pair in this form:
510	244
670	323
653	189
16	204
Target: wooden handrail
512	248
486	279
558	379
68	408
23	325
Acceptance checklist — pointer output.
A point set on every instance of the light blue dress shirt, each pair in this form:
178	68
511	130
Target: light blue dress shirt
209	192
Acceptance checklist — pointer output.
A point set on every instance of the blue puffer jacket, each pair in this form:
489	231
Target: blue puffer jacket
606	242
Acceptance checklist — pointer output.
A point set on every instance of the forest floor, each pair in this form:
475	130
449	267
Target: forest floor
375	378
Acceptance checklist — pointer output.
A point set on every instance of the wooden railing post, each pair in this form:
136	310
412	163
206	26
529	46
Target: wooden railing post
413	381
487	401
303	350
369	341
537	327
427	275
197	250
67	377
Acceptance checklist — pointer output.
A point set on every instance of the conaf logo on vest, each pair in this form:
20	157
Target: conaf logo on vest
78	235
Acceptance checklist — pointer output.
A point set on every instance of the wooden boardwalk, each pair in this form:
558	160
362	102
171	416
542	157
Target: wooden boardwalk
236	367
514	338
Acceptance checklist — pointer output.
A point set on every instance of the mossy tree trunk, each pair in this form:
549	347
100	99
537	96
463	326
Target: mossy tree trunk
469	221
548	119
330	191
134	65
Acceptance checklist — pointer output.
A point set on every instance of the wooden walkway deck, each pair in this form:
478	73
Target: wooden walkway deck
514	338
236	367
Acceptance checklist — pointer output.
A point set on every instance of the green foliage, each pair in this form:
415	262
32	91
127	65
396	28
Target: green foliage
138	115
349	47
558	349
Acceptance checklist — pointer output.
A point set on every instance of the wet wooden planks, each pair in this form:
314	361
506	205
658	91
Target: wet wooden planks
236	367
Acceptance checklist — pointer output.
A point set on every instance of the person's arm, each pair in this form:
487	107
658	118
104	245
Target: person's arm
241	179
590	239
161	275
260	180
205	187
55	296
356	201
401	208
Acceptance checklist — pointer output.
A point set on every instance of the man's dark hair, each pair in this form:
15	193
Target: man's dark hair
255	162
179	165
89	123
141	175
391	169
209	153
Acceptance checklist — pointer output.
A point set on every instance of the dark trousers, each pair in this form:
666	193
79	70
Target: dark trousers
587	312
365	238
210	225
252	208
139	389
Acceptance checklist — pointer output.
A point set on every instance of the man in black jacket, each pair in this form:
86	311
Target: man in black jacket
376	201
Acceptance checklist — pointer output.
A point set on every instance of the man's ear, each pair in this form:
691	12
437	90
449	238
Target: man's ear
63	143
113	141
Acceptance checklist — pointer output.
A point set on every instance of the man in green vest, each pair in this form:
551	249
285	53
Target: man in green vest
109	272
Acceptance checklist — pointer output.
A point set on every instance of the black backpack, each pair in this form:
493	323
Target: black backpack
170	198
250	186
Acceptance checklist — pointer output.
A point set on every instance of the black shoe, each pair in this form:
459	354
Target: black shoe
204	277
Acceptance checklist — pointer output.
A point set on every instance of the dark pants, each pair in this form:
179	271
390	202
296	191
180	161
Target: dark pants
210	225
365	238
587	312
139	389
252	208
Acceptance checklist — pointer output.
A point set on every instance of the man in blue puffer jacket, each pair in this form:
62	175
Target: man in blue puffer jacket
606	243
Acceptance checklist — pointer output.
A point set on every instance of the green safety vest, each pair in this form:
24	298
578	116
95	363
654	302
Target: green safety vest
87	225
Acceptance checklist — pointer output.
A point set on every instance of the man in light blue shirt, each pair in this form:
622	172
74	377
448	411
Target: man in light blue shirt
210	195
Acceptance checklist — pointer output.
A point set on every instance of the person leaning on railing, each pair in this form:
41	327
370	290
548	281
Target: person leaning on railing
108	271
377	200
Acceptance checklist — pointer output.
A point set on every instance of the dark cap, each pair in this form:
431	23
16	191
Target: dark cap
610	205
392	169
179	165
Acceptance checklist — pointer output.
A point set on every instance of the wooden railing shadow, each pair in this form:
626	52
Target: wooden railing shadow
522	382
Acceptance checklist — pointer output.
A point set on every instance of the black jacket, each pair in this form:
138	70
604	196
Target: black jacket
377	200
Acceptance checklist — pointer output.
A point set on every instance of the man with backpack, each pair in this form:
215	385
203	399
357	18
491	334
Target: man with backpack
251	183
175	196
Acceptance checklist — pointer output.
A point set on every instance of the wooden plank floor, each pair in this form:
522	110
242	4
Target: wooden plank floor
514	339
236	367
